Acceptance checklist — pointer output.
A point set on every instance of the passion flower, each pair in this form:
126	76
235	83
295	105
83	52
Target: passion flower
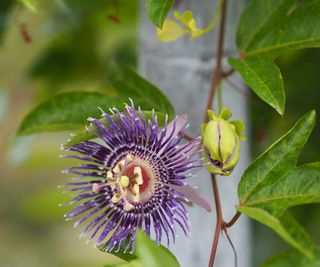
221	141
134	179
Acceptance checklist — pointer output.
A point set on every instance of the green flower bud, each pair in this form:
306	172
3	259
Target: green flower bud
221	141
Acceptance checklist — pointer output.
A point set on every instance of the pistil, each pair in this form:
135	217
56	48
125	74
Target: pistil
125	185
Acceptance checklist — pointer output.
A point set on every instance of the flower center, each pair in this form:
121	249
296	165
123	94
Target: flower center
133	180
134	170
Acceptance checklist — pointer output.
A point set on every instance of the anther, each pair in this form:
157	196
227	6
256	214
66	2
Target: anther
116	197
96	188
127	206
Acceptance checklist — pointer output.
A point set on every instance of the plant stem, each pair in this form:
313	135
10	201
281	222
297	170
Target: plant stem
219	223
217	73
219	97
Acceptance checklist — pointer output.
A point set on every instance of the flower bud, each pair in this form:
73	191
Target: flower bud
221	141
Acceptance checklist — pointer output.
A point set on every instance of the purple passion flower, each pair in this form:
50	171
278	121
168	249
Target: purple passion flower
134	180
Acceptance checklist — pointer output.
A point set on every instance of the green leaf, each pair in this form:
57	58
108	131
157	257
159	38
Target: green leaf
264	78
121	254
158	10
277	161
301	29
147	254
285	226
300	185
129	84
84	135
273	183
67	111
135	263
258	19
293	259
151	254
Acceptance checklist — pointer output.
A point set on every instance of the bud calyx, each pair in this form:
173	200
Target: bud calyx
221	141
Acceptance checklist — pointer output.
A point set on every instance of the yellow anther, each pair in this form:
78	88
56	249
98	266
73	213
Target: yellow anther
135	189
130	157
127	206
119	166
109	175
138	175
116	197
124	181
95	188
136	197
116	169
112	186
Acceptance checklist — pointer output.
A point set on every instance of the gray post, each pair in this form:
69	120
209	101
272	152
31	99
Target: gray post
183	71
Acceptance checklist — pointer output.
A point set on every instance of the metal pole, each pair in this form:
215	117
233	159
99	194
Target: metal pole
183	71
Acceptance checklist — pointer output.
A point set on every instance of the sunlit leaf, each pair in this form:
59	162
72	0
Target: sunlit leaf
264	78
171	31
135	263
146	254
150	254
188	20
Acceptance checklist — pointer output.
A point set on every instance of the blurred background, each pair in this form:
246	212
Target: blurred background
67	45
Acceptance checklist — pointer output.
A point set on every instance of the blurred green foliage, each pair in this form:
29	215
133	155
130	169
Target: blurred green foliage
71	46
5	8
72	43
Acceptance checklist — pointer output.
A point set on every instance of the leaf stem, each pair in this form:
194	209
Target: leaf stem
215	18
233	220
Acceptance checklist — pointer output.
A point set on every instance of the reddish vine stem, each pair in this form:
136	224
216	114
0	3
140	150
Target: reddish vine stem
233	220
217	73
216	78
220	223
